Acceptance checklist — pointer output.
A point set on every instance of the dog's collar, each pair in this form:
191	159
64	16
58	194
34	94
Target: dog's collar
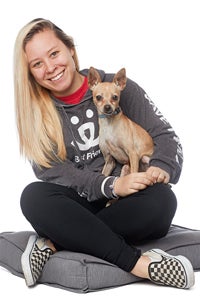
115	112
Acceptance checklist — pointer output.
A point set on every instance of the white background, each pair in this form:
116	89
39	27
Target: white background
157	41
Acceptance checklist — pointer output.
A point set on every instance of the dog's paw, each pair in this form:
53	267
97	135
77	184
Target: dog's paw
145	159
144	163
125	170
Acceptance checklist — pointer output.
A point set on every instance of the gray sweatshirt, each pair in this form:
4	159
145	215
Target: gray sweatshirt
82	169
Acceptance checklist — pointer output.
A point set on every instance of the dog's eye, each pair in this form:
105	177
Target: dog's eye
115	97
99	97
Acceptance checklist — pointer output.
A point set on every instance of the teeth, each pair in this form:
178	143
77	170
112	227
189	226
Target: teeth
57	77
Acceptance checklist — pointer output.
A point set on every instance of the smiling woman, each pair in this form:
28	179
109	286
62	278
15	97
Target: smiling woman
51	63
67	207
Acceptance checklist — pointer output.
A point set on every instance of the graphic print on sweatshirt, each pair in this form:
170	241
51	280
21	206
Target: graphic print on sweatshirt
179	152
86	135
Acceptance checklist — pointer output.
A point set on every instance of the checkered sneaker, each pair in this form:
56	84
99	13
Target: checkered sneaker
34	258
174	271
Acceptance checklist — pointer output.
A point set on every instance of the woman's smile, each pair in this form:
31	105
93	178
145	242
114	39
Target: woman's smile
58	76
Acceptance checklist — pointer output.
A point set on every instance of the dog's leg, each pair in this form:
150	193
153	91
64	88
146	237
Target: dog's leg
134	162
109	165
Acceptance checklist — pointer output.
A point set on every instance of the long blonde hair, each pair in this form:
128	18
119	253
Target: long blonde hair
39	126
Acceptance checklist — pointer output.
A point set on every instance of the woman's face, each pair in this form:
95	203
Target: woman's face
51	64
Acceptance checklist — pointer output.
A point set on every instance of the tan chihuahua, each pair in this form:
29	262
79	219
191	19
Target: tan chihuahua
120	138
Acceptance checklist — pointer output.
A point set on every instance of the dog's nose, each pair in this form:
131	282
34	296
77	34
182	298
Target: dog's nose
108	109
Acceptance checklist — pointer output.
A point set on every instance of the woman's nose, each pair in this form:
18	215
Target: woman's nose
50	67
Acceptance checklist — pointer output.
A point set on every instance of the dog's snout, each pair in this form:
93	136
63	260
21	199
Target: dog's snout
108	109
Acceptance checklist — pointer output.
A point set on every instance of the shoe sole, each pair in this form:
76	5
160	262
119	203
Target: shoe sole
25	261
189	271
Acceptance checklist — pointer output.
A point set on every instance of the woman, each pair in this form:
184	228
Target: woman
58	133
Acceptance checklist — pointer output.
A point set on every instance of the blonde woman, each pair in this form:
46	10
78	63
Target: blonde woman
58	133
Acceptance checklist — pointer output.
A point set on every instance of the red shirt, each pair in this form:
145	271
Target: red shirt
76	97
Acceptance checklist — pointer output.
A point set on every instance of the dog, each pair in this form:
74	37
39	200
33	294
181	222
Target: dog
120	139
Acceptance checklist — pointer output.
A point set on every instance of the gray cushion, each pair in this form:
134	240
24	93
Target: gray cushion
83	273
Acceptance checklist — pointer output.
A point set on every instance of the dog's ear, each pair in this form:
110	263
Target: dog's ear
93	78
120	78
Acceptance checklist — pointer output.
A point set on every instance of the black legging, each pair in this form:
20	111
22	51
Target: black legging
74	224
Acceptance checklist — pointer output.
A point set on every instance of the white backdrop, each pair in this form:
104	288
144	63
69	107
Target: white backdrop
157	41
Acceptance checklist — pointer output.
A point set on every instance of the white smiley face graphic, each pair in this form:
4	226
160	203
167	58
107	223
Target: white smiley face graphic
88	140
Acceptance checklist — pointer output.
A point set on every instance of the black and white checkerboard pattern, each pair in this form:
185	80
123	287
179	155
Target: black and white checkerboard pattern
38	259
169	271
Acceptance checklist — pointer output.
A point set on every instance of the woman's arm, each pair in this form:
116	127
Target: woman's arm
168	155
89	184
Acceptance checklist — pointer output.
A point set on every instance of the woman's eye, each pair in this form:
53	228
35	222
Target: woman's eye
54	53
99	97
37	64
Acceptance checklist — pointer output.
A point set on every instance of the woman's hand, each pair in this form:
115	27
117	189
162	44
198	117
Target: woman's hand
158	175
132	183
